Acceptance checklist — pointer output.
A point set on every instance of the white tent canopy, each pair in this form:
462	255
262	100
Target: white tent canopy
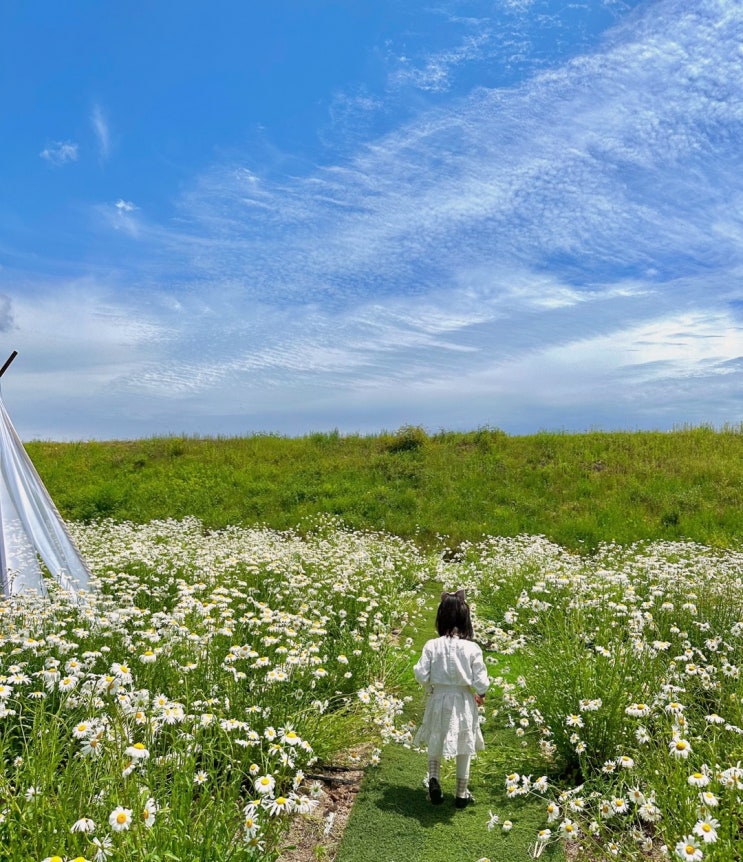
31	528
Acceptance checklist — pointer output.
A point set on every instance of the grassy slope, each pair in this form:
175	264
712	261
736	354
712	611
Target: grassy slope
576	489
392	816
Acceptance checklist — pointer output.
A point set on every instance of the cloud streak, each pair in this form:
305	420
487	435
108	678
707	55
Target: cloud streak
7	319
60	153
436	71
102	133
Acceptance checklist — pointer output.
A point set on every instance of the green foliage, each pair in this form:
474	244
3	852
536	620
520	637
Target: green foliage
409	438
577	489
579	676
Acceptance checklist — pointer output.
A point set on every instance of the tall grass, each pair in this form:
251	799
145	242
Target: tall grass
576	489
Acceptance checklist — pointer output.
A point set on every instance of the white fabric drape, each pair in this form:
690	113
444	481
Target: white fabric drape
30	525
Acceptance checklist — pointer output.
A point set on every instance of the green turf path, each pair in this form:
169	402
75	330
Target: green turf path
391	819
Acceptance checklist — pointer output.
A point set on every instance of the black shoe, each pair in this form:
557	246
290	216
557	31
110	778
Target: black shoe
434	791
464	801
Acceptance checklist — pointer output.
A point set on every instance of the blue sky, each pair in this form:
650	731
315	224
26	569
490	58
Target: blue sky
229	217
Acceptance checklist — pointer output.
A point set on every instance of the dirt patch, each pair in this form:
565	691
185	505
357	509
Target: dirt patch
316	836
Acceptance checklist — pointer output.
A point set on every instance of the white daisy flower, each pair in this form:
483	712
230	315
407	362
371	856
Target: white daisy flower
120	819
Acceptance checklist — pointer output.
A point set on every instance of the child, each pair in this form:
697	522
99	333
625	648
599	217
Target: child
452	669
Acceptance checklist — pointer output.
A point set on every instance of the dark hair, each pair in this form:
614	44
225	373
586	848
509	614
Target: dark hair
453	617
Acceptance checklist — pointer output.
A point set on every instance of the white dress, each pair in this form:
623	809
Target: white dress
450	668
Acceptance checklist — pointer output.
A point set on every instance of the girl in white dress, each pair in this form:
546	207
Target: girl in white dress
452	669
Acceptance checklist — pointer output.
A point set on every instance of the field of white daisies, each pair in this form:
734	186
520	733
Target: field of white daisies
624	692
180	708
175	710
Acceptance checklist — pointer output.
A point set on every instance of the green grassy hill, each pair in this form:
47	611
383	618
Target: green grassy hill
577	489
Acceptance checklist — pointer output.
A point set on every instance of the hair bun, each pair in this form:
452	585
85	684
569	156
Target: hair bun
459	594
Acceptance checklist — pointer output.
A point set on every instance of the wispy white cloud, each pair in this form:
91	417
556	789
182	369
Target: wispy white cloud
350	117
686	344
122	216
517	5
435	71
675	369
60	153
101	129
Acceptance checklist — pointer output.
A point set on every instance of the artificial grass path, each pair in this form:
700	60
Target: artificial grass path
392	821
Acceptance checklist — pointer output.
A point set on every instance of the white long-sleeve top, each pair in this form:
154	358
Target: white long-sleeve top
452	661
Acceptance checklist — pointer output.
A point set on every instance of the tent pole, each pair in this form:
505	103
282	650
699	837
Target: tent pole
7	362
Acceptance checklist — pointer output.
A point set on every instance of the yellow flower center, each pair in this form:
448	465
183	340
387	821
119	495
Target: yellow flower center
121	818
